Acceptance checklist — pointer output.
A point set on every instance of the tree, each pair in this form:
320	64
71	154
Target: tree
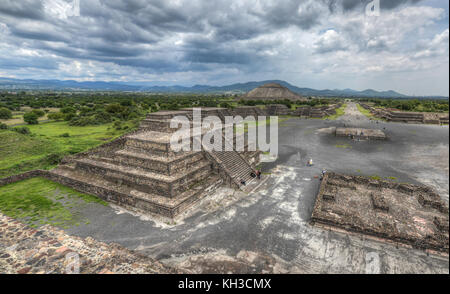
56	116
38	112
31	118
5	113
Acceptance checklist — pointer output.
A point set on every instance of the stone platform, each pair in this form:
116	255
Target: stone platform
358	133
401	213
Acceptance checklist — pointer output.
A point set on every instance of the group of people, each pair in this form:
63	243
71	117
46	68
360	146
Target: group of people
311	163
253	174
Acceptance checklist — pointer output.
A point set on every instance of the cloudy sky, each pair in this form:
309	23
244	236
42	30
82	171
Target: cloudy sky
309	43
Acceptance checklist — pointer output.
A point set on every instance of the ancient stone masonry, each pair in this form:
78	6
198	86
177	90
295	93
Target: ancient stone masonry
407	117
46	250
401	213
140	171
359	133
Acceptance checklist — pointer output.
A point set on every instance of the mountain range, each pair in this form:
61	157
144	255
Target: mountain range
239	88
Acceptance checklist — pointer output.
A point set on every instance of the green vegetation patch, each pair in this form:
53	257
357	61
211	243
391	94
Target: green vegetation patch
343	146
339	112
39	201
367	113
48	142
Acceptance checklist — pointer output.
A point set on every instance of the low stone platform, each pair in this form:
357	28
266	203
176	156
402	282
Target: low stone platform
402	213
358	133
48	250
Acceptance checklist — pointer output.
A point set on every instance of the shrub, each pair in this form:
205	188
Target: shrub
5	113
3	126
114	108
68	109
31	118
69	116
22	130
65	135
53	158
117	125
56	116
38	112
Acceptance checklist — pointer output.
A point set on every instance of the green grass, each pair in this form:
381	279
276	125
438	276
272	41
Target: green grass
367	113
343	146
339	112
20	153
38	201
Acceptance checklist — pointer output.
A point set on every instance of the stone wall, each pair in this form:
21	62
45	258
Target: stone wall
407	117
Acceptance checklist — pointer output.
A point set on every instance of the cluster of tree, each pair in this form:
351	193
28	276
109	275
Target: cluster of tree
41	100
5	113
417	105
32	117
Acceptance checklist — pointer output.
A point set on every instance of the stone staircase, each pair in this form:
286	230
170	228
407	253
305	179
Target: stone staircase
231	163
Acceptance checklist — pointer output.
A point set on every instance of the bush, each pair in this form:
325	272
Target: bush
117	125
53	158
5	113
31	118
65	135
67	110
114	108
22	130
56	116
3	126
69	116
38	112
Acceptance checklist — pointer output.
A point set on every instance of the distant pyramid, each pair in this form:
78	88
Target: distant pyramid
272	91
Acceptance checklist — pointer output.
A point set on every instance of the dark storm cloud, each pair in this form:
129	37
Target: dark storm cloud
32	9
159	36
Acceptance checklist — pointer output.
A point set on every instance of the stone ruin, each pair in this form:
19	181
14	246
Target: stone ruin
394	115
141	172
359	133
402	213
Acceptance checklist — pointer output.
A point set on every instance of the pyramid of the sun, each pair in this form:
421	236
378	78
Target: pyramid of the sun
271	91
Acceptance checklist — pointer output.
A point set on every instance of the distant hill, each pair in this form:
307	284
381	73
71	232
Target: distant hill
240	88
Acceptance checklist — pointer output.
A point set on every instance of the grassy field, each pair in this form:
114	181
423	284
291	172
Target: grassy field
39	201
339	112
20	153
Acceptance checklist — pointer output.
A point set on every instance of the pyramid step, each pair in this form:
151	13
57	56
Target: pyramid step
143	180
159	164
131	198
